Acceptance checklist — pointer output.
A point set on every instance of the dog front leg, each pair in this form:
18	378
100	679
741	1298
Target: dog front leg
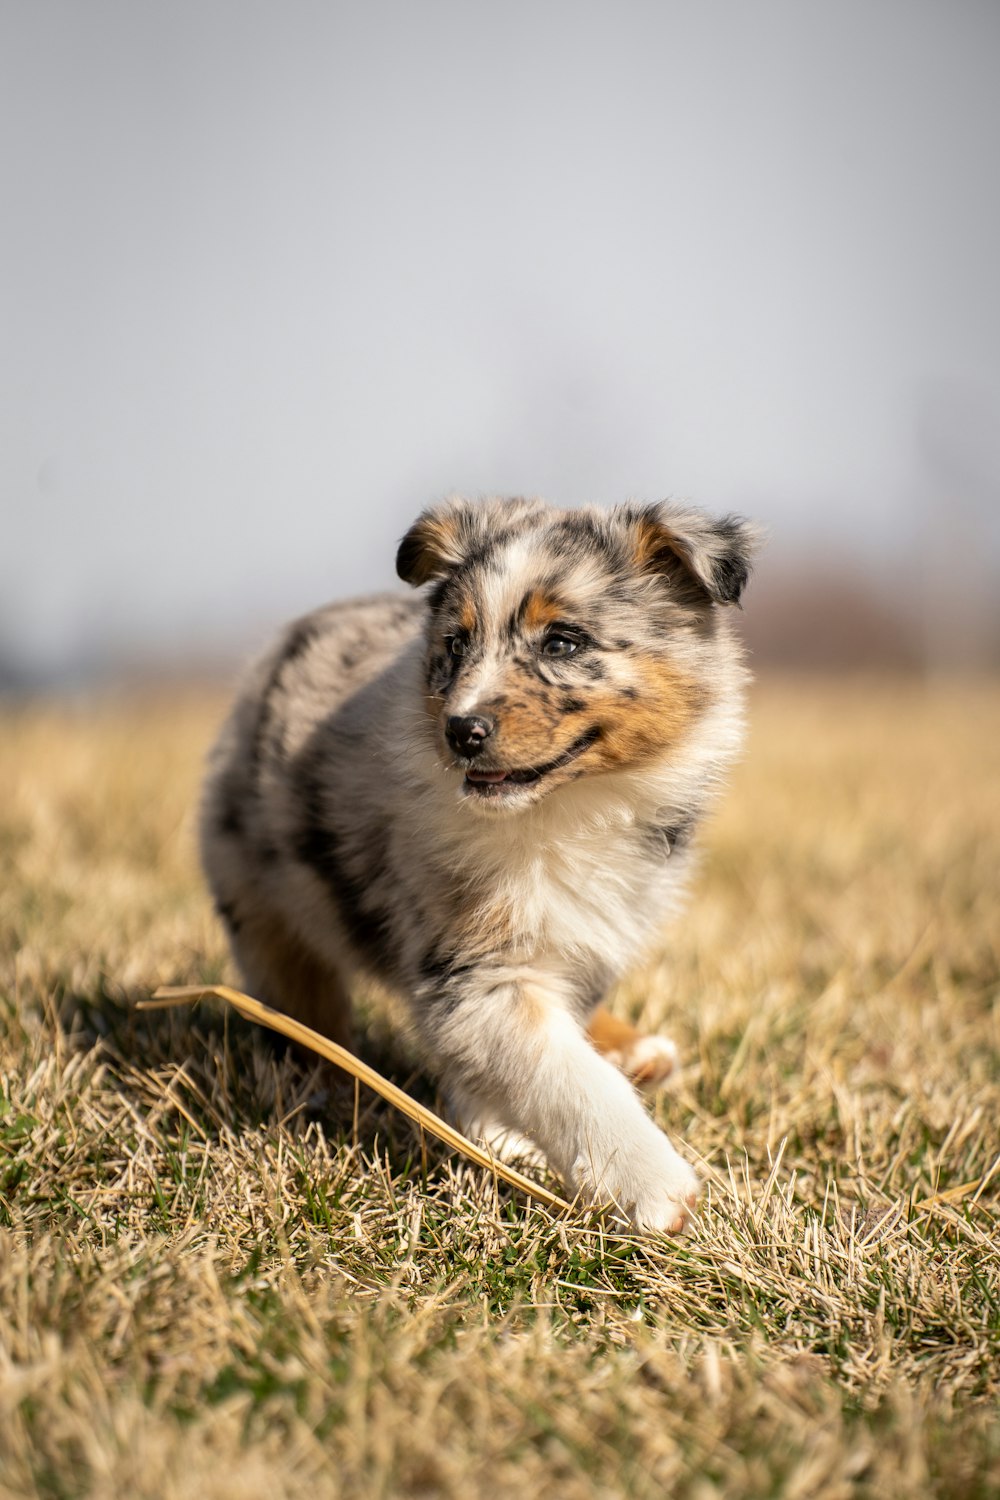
515	1046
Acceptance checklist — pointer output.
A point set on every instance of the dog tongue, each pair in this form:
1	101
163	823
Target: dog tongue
490	776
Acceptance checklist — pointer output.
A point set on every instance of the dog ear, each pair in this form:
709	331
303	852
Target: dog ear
687	545
435	543
448	535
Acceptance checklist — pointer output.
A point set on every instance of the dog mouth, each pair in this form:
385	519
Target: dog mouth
491	784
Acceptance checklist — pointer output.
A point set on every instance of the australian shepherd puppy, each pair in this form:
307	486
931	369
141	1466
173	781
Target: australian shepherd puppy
484	796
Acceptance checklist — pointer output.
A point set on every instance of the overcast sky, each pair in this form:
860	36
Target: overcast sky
274	276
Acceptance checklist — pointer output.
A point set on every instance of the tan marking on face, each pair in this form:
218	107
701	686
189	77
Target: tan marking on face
533	730
541	609
467	616
530	731
530	724
640	729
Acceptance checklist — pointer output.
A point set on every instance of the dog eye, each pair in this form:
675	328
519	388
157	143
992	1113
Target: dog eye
559	645
457	644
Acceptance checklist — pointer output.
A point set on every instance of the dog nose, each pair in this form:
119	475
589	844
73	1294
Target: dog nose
468	735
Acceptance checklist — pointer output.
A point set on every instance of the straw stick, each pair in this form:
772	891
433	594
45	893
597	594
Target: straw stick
255	1010
954	1194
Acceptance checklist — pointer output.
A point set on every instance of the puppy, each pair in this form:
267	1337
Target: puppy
484	797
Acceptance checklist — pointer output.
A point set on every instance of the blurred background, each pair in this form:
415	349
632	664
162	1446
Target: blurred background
275	276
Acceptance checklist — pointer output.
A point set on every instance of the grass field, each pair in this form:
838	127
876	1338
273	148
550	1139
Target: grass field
215	1280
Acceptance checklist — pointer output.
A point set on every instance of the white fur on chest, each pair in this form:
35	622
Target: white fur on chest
576	877
595	899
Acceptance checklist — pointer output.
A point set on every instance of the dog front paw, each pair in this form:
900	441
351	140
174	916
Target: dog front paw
668	1205
652	1187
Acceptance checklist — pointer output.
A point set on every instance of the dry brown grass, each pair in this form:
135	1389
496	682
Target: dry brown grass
215	1280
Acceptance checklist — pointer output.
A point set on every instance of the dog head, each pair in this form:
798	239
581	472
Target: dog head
566	643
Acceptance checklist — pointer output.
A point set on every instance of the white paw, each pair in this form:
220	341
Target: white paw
649	1184
668	1205
648	1061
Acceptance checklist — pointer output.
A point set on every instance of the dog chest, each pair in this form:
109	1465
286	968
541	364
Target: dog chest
598	899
